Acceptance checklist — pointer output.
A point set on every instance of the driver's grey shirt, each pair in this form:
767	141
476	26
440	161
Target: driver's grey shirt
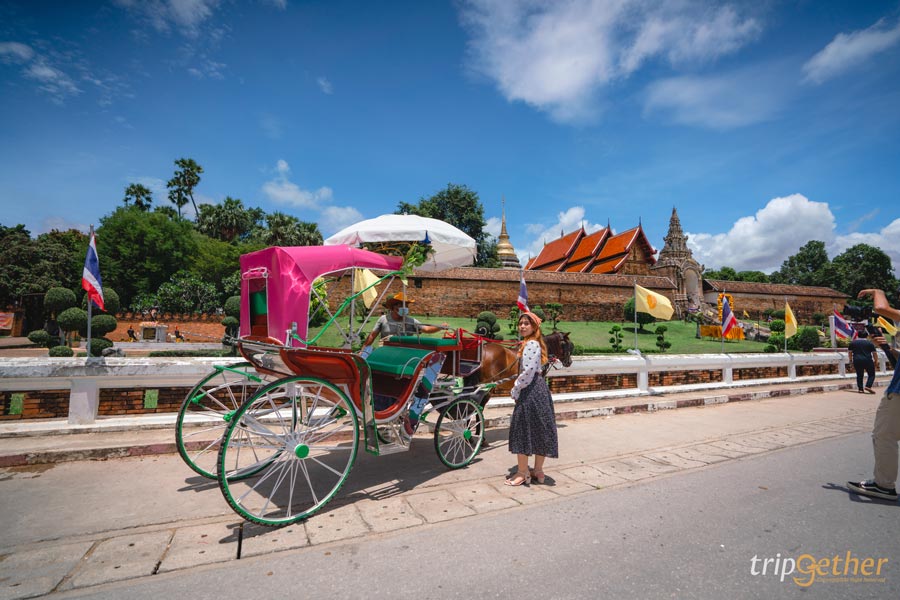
387	326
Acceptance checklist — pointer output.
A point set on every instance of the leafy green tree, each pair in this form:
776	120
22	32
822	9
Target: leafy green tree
723	274
810	266
218	263
186	293
286	230
863	266
139	251
140	195
642	317
553	311
753	276
459	206
168	211
181	186
227	222
31	266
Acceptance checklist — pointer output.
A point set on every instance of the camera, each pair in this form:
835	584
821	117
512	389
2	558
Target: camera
857	313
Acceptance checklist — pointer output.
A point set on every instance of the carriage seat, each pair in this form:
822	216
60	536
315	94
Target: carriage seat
396	360
415	340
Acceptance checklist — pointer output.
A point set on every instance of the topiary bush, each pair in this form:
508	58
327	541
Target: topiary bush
111	302
233	307
98	345
487	316
40	337
775	343
231	326
805	339
61	351
102	324
73	319
777	326
58	299
486	324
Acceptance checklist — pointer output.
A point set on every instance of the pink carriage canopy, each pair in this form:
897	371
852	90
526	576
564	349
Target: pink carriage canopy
276	283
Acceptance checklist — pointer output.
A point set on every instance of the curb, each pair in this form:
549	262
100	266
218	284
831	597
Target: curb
127	451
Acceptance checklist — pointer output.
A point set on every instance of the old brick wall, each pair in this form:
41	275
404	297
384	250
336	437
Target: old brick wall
36	404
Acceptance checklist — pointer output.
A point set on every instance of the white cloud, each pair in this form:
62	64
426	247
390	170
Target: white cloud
325	85
281	190
763	241
14	52
566	222
558	56
335	218
162	15
60	224
718	102
492	226
849	50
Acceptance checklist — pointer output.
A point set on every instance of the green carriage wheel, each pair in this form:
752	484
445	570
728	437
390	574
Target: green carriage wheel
288	451
204	415
459	433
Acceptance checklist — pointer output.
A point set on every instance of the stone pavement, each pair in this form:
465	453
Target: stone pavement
155	516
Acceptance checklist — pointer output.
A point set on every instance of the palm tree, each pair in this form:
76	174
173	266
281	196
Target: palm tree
181	186
285	230
140	195
227	221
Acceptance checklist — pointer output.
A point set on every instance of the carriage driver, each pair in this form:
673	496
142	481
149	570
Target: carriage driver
395	322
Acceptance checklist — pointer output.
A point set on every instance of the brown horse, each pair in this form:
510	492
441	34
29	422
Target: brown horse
501	363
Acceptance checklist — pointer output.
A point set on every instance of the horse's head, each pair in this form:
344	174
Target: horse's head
560	346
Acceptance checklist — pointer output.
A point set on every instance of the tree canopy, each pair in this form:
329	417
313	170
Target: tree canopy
459	206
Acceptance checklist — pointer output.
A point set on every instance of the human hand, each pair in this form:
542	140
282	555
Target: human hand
868	293
879	340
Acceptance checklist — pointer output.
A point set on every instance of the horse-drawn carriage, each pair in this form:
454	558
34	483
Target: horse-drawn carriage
281	431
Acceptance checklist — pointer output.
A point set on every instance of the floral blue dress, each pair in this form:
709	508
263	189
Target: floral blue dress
532	428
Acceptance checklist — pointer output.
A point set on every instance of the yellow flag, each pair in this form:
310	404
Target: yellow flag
790	321
746	315
887	326
655	304
364	278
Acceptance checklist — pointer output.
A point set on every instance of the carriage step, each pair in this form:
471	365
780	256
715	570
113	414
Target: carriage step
394	448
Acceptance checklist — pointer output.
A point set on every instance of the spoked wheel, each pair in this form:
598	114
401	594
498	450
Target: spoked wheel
206	411
459	433
288	451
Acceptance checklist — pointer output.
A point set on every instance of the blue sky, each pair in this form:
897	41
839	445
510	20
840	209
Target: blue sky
766	124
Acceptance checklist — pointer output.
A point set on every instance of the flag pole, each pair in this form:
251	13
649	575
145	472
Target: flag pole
831	328
785	324
722	326
635	314
90	303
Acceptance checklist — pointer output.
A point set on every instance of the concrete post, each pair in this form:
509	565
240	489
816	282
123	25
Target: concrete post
84	399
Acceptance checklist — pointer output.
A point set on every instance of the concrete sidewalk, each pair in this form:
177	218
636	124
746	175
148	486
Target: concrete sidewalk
48	441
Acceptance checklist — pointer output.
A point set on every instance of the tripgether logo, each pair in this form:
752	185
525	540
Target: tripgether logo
809	569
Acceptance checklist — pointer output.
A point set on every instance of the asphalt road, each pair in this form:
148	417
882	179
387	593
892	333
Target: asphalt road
691	534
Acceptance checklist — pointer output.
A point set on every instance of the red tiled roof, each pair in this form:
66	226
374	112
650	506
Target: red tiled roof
557	251
772	289
608	266
588	246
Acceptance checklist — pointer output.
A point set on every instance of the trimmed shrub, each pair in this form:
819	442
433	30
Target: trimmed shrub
58	299
539	311
231	326
40	337
98	345
111	303
805	339
487	316
642	317
212	353
777	326
102	324
233	307
73	319
61	351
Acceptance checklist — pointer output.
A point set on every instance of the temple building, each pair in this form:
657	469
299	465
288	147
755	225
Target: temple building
505	251
600	252
677	263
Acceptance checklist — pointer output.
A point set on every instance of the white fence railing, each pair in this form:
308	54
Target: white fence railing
86	377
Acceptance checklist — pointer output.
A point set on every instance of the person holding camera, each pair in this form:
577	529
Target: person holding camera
886	432
862	355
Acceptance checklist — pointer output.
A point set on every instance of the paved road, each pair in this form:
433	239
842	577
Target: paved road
77	525
688	535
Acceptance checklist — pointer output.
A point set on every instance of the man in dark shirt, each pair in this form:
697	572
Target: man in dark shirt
862	355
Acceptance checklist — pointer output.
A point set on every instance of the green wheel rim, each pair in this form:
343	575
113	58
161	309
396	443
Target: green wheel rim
205	411
459	433
287	451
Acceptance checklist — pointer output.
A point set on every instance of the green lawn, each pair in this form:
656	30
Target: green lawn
594	336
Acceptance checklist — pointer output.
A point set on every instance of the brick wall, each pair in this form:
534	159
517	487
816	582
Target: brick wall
37	404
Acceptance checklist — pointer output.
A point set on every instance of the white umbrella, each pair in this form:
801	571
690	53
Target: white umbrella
452	247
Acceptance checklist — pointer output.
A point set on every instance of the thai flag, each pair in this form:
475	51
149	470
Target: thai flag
728	318
90	277
522	300
843	329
